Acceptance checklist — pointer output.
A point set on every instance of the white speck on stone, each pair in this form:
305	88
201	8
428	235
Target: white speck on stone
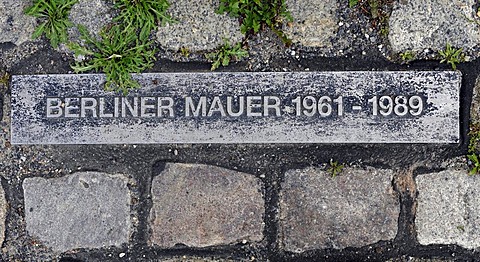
121	255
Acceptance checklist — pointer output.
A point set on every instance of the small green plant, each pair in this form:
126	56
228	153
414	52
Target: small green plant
4	78
225	54
475	164
461	228
254	14
376	11
185	52
334	168
472	155
118	54
452	56
54	14
352	3
407	56
143	15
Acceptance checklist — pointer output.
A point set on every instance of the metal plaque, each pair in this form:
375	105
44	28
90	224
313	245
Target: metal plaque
239	107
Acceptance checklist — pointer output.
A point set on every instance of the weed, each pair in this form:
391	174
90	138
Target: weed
452	56
334	168
118	54
383	24
254	14
407	56
143	15
352	3
225	54
124	47
54	14
475	162
472	155
185	52
376	10
4	78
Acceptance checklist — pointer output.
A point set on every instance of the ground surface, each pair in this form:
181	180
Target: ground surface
409	202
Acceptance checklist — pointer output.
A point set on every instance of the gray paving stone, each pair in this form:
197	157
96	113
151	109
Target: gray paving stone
3	214
447	211
475	108
199	205
414	259
417	25
356	208
198	27
314	22
198	259
15	26
93	14
81	210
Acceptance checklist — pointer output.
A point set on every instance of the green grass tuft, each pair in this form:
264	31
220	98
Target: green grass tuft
4	78
452	56
143	15
54	17
225	54
472	154
118	54
407	56
254	14
335	168
352	3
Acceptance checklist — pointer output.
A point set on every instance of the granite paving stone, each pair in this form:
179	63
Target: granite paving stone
3	214
81	210
15	26
447	211
418	25
93	14
475	107
198	26
200	205
357	208
314	22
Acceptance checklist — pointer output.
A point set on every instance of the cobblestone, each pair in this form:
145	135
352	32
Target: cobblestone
15	26
356	208
93	14
81	210
199	205
3	214
447	211
198	27
314	22
418	25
